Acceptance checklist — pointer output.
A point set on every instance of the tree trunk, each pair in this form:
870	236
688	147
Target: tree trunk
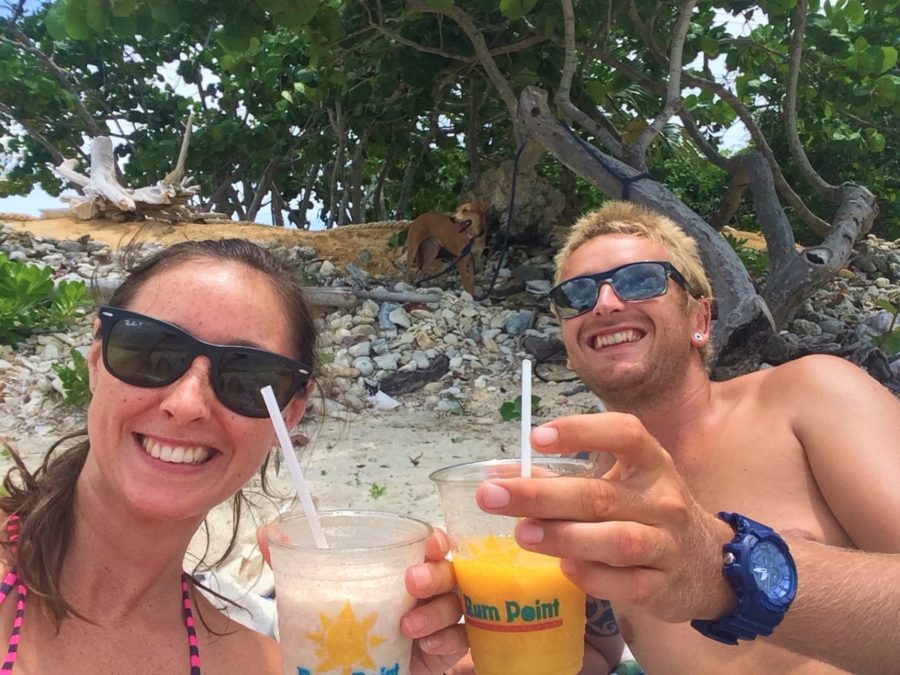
473	124
741	326
340	132
262	187
357	177
378	211
413	166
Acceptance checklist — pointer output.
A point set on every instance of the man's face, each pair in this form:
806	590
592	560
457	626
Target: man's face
628	350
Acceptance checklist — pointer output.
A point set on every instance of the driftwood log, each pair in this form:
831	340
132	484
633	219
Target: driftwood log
102	196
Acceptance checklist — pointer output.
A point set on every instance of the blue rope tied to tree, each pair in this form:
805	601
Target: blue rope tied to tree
593	152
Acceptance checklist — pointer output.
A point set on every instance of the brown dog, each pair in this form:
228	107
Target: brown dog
431	232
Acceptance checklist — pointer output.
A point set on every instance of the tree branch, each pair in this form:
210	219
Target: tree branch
637	151
731	201
709	151
22	41
645	32
822	188
464	21
734	291
562	97
803	212
35	134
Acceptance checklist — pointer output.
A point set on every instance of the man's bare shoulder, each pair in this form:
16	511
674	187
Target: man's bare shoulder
828	376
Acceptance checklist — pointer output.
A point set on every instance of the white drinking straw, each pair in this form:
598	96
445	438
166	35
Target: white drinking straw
290	458
526	418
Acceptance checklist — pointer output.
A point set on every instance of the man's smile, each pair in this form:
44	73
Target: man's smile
619	337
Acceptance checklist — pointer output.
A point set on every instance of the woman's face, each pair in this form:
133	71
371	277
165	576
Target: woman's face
174	452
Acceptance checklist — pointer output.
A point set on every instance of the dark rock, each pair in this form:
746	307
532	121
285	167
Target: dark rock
543	349
400	382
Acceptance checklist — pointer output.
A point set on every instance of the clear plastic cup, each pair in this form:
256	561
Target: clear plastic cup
339	608
522	615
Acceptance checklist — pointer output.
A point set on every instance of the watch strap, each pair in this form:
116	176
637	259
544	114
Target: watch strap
749	618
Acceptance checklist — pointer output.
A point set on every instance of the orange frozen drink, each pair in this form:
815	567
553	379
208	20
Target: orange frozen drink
522	615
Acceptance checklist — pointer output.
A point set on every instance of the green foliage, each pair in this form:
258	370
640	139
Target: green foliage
756	262
890	340
376	490
74	379
291	80
512	410
30	301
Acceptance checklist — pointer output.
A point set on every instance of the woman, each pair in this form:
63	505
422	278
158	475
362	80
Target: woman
96	537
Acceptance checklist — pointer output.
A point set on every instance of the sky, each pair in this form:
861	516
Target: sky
32	204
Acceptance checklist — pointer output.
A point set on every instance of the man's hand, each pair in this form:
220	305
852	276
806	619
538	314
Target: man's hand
634	536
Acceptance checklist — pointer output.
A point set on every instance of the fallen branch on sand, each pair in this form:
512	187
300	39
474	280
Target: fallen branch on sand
102	196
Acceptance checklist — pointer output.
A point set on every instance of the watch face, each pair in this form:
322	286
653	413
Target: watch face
771	571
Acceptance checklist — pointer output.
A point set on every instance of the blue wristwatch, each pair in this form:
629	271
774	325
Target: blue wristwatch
760	569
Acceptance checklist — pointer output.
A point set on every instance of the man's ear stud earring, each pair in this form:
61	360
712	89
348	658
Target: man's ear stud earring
698	336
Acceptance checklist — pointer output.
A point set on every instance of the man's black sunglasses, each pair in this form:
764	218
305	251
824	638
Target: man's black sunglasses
147	352
634	281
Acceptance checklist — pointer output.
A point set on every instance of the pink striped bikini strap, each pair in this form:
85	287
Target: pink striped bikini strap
12	580
193	645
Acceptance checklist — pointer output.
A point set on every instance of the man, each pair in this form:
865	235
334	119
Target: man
810	449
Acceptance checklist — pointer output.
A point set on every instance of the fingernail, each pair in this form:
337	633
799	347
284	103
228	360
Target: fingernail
529	533
567	566
414	623
431	643
494	497
545	435
421	576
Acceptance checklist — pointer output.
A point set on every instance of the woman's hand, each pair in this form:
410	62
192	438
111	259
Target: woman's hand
440	640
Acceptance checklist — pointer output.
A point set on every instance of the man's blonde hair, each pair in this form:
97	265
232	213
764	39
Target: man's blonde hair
628	218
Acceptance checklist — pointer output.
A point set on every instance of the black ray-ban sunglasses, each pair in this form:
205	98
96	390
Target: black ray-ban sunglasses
634	281
147	352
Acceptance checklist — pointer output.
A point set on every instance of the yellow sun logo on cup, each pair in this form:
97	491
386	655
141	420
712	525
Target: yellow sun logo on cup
345	641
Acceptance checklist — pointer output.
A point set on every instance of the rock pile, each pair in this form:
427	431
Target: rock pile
440	352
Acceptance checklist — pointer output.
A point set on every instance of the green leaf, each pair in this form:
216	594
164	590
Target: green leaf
511	410
97	15
710	46
75	379
854	11
235	41
889	342
889	60
55	20
76	21
297	14
441	4
875	140
122	8
887	305
515	9
165	12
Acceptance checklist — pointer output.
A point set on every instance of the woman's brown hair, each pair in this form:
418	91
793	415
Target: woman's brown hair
45	500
